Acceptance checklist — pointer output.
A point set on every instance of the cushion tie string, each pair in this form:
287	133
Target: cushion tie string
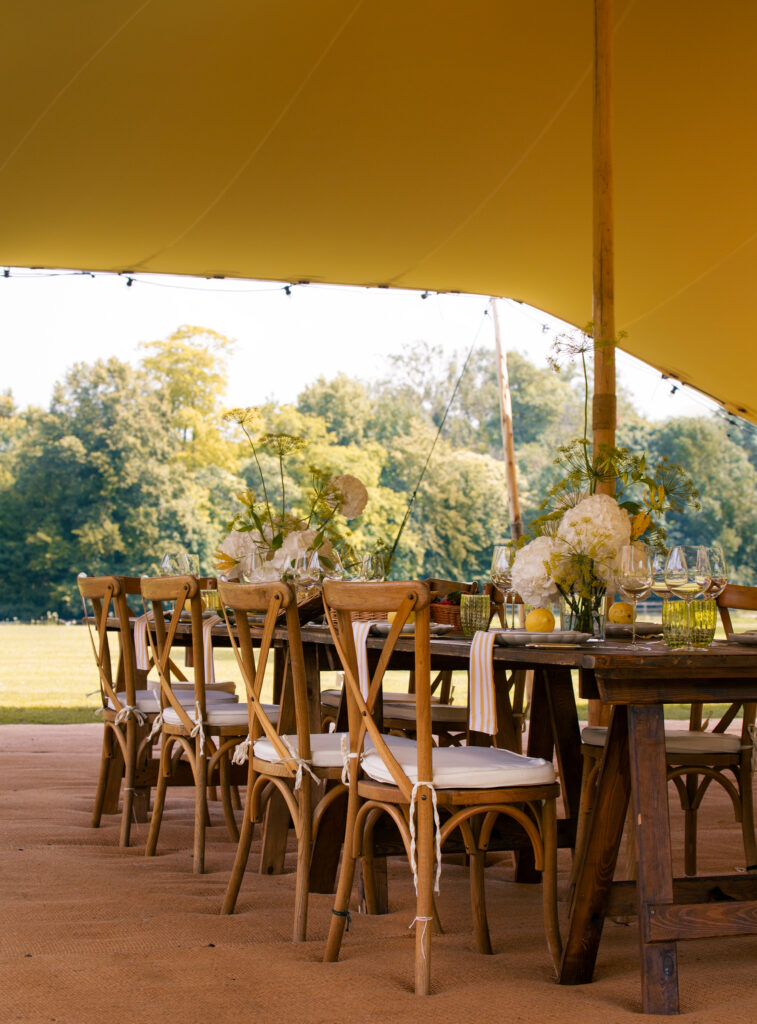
437	836
199	729
346	756
241	750
425	921
156	725
302	764
127	711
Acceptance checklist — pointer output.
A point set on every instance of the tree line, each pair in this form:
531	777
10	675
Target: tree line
129	462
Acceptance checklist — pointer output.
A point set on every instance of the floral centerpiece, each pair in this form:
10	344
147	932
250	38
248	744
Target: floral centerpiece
572	549
267	538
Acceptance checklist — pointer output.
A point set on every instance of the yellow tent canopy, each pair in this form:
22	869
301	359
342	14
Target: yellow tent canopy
439	146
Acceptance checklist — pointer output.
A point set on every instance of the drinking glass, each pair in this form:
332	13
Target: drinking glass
179	563
719	569
635	577
373	567
475	612
659	586
687	575
501	573
675	623
703	617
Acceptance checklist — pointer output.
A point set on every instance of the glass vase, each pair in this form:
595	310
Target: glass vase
584	613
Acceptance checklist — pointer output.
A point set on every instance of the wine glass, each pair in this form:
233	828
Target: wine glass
373	566
719	567
179	563
635	577
687	575
501	572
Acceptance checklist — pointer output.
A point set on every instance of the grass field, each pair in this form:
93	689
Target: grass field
48	674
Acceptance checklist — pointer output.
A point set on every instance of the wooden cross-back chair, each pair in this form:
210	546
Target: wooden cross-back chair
468	786
449	720
285	755
126	750
697	757
205	731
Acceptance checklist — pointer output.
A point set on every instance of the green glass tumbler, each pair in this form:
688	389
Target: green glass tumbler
674	623
475	613
703	617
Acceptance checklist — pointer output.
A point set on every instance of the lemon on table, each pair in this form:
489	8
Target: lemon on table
540	620
391	616
621	613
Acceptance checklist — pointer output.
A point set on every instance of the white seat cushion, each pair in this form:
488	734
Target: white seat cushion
677	741
224	714
466	767
325	748
441	714
331	698
149	700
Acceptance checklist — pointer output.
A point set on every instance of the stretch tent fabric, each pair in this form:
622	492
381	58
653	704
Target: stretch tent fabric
401	143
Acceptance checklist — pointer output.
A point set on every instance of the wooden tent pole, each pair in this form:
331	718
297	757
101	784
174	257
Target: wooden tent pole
604	400
604	407
506	422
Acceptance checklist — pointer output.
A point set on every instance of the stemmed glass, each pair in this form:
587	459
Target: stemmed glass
501	573
635	577
719	570
179	563
687	575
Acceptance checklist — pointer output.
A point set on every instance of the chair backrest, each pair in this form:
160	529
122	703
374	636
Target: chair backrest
441	588
269	599
161	592
101	596
733	598
402	598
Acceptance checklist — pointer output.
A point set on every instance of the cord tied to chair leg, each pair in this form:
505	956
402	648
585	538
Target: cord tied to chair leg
242	751
347	755
425	921
437	835
199	729
347	916
157	725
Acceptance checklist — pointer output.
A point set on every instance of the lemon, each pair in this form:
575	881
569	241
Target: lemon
621	613
391	616
540	620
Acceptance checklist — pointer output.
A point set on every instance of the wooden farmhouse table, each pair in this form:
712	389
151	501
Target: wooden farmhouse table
636	684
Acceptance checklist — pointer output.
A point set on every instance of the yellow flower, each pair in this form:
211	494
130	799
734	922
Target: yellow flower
639	524
224	562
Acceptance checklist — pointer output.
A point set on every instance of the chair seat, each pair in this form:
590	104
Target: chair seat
466	767
677	741
326	748
221	715
331	698
149	700
441	714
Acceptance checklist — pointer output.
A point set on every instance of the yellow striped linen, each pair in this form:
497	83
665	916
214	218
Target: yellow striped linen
360	631
482	713
207	646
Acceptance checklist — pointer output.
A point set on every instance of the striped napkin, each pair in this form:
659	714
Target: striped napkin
207	646
482	713
360	631
141	648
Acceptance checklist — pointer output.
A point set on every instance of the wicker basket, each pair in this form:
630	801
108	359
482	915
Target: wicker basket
447	614
361	616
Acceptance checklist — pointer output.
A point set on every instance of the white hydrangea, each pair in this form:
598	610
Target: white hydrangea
597	527
238	545
530	577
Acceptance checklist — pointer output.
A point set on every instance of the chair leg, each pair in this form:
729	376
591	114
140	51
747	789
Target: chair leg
302	888
344	887
102	779
228	810
201	808
128	787
549	881
478	901
747	815
160	798
243	852
424	907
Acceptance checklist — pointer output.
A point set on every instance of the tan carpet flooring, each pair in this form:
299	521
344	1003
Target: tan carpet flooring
93	933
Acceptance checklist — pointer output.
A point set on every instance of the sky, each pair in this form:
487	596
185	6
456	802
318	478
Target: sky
52	319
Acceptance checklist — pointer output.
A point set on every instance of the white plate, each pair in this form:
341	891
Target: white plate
749	638
437	628
521	637
615	629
